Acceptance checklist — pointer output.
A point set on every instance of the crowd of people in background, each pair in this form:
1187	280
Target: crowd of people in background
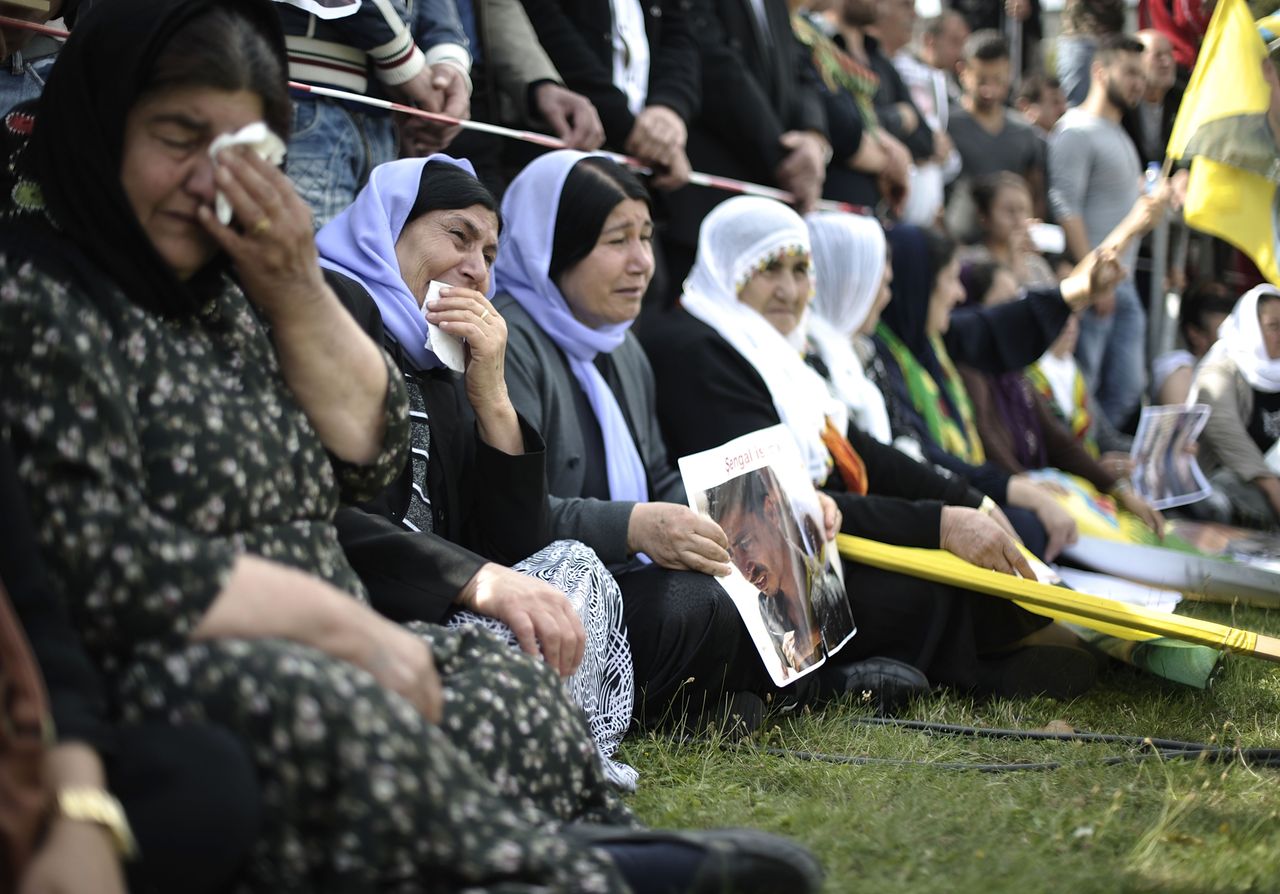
318	609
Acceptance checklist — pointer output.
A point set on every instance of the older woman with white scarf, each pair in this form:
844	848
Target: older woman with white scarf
725	366
849	264
1240	379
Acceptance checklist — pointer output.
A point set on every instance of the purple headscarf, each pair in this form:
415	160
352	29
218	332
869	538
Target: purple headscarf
529	211
361	243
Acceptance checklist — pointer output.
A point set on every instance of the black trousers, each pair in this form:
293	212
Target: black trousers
688	643
191	796
944	631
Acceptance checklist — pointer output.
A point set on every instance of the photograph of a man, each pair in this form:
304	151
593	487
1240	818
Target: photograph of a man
801	601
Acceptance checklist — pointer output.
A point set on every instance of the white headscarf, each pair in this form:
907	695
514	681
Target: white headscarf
1240	339
737	238
848	264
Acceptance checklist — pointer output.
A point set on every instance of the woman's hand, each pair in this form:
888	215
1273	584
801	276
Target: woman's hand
832	517
75	858
1059	525
1038	496
1093	282
469	315
262	599
678	538
1116	463
538	614
976	538
275	252
1128	498
996	514
401	661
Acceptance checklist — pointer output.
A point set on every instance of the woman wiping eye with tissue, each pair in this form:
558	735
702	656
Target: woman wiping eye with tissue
256	138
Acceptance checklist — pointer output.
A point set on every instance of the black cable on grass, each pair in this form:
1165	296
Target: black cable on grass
1164	749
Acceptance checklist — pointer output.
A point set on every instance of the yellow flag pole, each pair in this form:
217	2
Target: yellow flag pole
1092	611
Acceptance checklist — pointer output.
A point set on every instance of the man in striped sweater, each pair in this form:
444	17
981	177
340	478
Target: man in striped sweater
367	48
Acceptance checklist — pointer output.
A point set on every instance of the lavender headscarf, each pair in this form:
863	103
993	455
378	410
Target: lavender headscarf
529	213
361	243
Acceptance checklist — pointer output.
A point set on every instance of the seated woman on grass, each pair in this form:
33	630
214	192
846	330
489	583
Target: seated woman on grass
1240	380
472	496
1018	430
575	260
725	365
919	335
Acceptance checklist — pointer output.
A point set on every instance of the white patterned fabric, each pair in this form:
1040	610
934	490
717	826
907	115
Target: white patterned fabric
604	684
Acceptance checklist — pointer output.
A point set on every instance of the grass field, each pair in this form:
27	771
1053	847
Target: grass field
1151	825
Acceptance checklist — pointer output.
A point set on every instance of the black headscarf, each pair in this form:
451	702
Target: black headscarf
77	147
907	313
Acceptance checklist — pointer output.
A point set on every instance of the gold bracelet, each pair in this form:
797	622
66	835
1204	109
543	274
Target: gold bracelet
86	804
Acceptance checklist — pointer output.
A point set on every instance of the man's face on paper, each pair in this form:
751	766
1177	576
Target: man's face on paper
757	546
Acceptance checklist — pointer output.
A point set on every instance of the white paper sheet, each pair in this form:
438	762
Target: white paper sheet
786	582
1165	472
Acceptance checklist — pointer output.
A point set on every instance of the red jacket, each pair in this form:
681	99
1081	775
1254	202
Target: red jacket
1182	21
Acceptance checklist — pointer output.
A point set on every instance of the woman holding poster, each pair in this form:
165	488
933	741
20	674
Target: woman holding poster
729	363
575	261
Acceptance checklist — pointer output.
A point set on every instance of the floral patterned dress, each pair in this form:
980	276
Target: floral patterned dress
154	451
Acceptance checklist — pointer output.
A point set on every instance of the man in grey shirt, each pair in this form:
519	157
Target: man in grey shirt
1095	178
990	136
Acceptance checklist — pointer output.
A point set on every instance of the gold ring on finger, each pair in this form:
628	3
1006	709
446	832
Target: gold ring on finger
484	315
261	227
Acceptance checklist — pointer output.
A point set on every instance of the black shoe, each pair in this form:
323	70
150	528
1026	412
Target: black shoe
743	861
883	684
1061	672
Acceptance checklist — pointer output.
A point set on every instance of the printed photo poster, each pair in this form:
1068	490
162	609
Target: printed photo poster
786	579
1165	472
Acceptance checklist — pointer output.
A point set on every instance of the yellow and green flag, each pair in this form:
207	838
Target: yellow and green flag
1225	126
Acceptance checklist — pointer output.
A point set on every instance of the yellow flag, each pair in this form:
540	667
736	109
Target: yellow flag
1223	126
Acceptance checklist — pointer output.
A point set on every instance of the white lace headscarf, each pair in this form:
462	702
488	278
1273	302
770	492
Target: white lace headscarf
1240	339
848	264
739	238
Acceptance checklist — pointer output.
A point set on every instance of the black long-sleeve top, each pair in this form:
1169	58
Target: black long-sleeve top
77	697
486	505
990	340
709	394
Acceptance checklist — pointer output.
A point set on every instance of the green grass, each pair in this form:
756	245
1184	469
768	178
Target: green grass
1168	826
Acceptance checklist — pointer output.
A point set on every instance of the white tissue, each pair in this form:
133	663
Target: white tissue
258	137
449	348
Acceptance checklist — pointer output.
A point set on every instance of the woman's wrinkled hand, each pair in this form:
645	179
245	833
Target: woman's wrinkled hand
1151	517
1059	525
468	314
539	615
832	517
678	538
1119	464
273	247
978	539
401	662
